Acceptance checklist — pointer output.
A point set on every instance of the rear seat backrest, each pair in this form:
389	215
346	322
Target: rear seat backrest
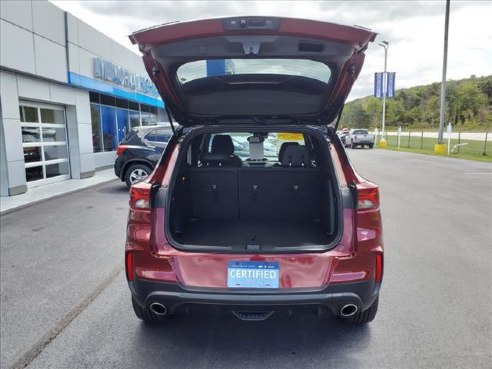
214	193
296	156
279	193
255	193
215	160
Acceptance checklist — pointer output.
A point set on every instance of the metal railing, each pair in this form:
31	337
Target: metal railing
459	143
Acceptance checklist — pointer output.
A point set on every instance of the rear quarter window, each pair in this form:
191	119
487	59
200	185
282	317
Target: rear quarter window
150	136
162	135
158	135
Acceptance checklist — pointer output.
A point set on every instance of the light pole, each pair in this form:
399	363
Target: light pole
385	45
440	147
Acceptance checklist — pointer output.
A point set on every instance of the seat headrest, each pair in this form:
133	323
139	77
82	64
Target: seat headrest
283	147
215	160
296	156
222	144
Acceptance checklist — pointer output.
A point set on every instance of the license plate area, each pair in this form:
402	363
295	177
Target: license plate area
252	274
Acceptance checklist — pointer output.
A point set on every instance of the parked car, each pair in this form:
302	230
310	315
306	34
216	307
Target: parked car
343	136
254	234
359	137
139	152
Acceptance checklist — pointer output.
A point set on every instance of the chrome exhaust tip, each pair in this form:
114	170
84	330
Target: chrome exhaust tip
348	310
158	309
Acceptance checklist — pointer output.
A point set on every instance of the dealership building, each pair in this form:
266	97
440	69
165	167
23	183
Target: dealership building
68	95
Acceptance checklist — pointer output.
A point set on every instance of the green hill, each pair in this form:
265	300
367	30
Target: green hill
468	106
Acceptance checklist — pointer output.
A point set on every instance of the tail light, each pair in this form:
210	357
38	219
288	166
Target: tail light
129	266
140	195
367	196
140	216
120	150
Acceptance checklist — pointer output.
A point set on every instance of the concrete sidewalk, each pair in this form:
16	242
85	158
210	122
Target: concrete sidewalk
37	194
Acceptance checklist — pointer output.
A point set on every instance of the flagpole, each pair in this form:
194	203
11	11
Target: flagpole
385	45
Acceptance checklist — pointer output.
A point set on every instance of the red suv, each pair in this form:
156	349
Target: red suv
254	207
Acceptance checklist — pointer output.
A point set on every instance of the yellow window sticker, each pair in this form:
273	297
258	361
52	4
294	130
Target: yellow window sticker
290	136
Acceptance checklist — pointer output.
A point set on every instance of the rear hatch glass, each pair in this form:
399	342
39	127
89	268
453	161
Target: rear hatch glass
218	67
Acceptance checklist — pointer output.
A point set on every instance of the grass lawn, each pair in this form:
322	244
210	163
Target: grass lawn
473	150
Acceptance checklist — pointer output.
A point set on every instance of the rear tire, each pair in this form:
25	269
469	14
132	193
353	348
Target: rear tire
363	317
371	146
146	316
136	173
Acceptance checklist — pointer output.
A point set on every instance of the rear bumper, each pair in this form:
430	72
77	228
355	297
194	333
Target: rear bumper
118	165
178	300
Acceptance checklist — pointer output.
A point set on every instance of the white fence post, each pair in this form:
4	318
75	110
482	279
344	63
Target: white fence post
450	130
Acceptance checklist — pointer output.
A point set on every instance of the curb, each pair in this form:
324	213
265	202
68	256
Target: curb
20	207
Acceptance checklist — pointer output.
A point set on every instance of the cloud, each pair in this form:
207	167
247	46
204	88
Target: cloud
151	13
374	12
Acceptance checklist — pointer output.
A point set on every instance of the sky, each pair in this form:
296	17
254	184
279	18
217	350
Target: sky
414	30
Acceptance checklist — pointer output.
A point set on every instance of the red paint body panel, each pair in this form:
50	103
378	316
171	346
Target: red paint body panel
348	262
173	32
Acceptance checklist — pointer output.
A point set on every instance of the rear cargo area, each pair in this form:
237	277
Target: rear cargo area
264	233
252	208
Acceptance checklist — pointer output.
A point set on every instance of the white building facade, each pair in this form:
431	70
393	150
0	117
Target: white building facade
68	95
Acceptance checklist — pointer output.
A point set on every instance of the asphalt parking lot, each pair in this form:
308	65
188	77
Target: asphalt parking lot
61	275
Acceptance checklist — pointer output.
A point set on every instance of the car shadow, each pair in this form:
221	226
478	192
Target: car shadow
224	341
116	187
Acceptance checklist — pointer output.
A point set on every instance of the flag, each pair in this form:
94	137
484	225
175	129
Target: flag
378	84
390	91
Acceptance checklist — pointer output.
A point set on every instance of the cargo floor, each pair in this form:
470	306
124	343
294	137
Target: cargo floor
266	233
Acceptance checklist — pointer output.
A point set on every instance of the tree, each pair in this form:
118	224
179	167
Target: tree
432	110
356	117
468	102
374	109
394	112
485	85
471	100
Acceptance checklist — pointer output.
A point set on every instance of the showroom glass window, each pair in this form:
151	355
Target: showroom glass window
122	119
96	127
112	119
44	142
134	113
108	119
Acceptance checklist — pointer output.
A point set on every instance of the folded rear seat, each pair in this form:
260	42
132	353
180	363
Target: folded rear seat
287	192
279	193
214	193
